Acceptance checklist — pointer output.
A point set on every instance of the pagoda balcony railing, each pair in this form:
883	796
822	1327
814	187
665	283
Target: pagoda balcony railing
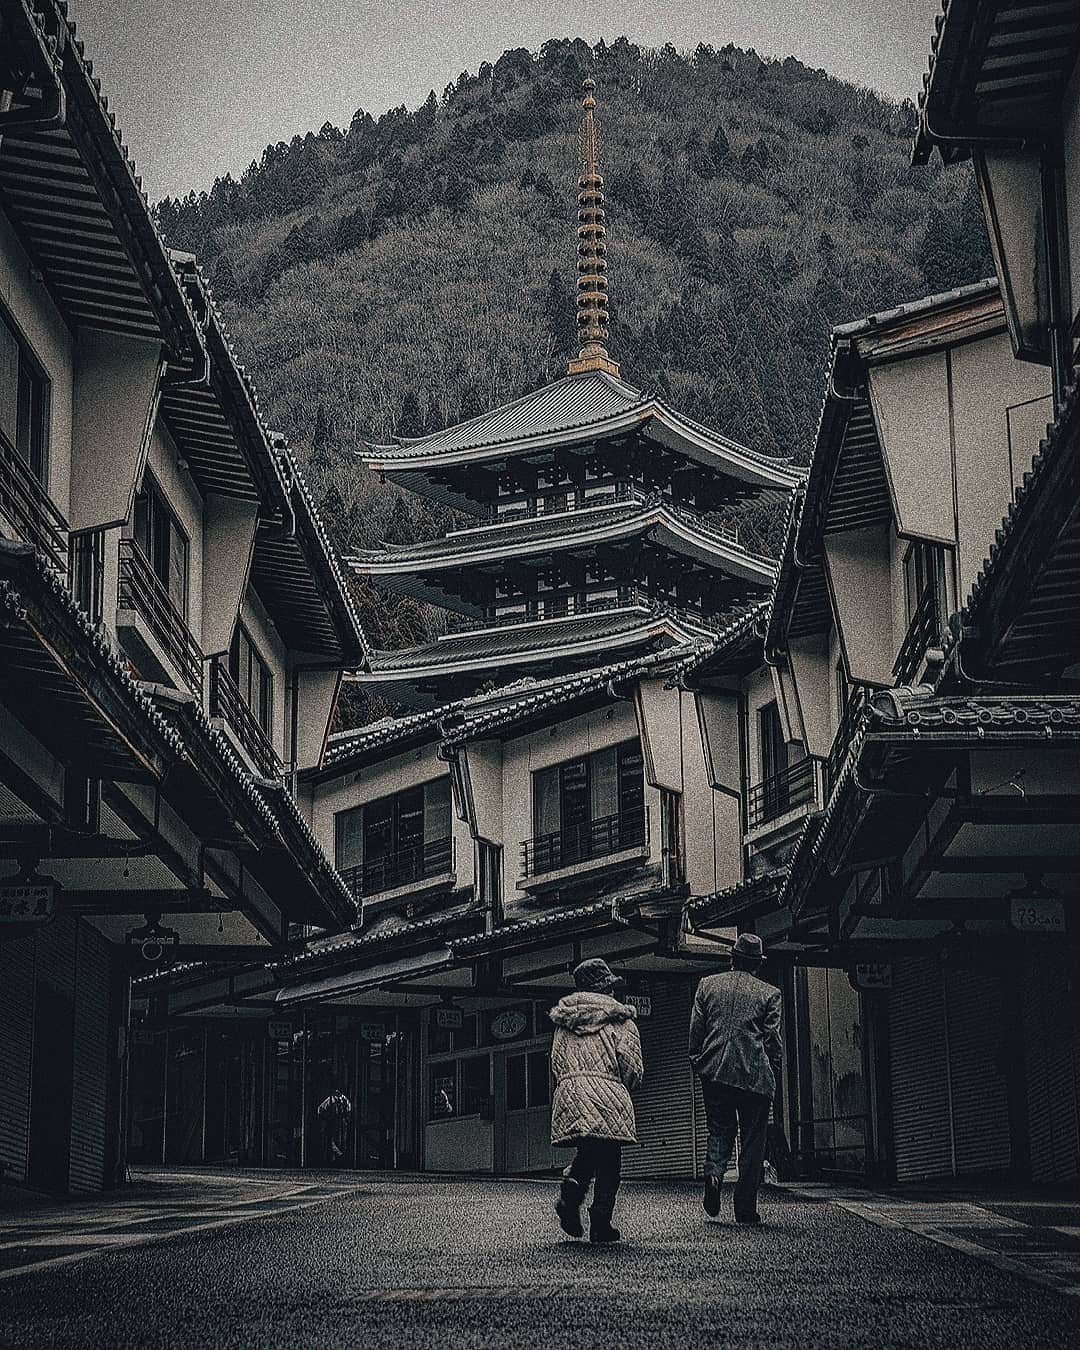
142	592
783	792
619	494
855	704
575	607
927	629
227	702
584	841
30	509
415	862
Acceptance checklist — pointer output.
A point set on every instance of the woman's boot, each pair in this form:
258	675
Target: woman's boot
568	1207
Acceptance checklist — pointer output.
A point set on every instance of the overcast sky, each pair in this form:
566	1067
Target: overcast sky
201	86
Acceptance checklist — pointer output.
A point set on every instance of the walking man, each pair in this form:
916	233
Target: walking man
596	1060
335	1112
735	1050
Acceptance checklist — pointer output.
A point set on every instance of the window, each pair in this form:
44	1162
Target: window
475	1085
86	563
924	579
588	807
24	400
397	839
528	1081
163	543
671	837
252	677
489	875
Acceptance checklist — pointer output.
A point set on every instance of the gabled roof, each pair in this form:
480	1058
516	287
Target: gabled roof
997	72
578	408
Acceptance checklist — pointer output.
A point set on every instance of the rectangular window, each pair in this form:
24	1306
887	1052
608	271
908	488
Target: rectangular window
773	747
24	400
252	677
163	543
397	839
475	1085
444	1091
924	579
539	1078
516	1078
671	837
588	807
489	874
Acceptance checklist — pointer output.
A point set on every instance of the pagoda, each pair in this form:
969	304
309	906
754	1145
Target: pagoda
596	534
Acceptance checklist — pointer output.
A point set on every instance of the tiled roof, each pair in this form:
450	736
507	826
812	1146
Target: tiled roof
336	949
526	928
919	710
730	900
911	309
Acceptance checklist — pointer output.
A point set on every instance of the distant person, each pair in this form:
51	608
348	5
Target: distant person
335	1112
596	1060
735	1049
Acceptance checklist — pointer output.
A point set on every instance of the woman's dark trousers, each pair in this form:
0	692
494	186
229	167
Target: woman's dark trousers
728	1109
598	1161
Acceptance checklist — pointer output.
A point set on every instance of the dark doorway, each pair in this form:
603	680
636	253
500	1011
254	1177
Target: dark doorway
51	1090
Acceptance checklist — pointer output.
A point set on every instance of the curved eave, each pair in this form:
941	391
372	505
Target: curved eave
651	418
665	528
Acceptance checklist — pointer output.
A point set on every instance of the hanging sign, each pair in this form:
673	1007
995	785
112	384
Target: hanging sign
279	1031
641	1004
27	901
372	1031
1037	914
449	1019
508	1024
873	975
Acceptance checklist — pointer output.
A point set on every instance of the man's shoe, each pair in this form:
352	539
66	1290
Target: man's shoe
749	1220
602	1231
568	1208
710	1201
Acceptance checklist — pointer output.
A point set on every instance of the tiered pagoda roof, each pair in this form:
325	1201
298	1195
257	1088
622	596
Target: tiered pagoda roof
596	530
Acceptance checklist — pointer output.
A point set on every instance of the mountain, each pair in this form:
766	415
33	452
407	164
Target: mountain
414	269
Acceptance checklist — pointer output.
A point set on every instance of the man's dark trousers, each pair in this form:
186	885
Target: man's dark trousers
600	1159
728	1109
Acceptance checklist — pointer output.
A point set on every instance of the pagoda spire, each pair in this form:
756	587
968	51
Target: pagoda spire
592	302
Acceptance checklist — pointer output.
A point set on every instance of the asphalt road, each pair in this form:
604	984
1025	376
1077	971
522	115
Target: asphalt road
461	1264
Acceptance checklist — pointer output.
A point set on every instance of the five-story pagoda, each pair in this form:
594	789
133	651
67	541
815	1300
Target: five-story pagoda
592	540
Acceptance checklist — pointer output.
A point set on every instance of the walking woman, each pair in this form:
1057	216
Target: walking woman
596	1060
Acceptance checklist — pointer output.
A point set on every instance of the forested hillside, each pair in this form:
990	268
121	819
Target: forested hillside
405	272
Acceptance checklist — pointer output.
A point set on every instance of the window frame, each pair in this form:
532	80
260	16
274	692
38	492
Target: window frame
36	456
242	634
159	506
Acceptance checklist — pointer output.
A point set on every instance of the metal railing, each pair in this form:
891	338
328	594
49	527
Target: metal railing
857	699
226	701
926	629
579	843
86	572
30	509
774	797
415	862
142	591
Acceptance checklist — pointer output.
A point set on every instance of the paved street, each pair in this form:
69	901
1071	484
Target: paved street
321	1260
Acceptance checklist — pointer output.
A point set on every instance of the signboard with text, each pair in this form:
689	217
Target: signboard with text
872	975
641	1004
26	901
279	1031
1037	914
450	1019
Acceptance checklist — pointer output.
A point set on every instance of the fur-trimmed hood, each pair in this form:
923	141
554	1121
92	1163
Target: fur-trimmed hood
586	1013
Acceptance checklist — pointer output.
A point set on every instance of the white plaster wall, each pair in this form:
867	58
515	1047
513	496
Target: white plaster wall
395	774
1070	129
711	819
50	340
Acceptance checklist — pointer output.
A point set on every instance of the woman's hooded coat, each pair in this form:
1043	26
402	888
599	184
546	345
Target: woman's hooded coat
596	1060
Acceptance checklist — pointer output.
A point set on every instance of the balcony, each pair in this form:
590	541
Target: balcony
150	625
30	509
927	629
227	702
606	838
431	860
790	788
857	699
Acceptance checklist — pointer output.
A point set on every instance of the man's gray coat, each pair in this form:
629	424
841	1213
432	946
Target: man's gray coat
735	1032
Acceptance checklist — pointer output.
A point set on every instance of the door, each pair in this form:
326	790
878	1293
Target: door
528	1111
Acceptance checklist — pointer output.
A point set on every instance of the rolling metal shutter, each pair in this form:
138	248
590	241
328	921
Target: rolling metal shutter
93	1044
665	1104
17	962
949	1100
919	1071
1051	1065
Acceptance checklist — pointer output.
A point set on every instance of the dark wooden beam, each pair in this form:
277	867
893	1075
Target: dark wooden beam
130	901
1025	862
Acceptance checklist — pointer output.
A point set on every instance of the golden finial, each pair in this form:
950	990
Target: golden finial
592	303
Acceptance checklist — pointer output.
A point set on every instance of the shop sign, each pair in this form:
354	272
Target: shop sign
1037	914
873	975
509	1024
142	1036
27	901
372	1031
641	1004
449	1019
279	1031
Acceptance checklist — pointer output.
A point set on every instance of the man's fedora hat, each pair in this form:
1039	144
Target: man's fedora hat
748	947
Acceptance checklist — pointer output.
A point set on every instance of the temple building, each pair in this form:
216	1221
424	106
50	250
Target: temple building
602	516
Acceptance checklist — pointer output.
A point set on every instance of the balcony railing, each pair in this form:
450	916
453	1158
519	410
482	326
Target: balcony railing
579	843
30	509
227	701
775	796
415	862
141	591
927	629
857	699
